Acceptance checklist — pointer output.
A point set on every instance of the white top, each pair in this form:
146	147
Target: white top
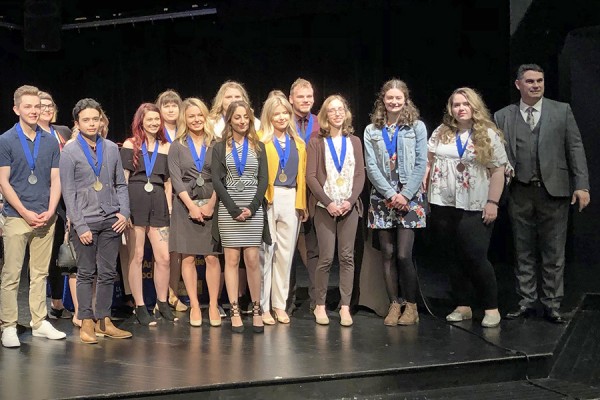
219	126
335	192
537	110
467	190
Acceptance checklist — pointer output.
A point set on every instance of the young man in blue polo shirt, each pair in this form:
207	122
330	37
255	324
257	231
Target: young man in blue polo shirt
30	182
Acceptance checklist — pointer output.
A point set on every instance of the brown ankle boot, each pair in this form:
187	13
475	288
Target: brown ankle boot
410	316
105	327
393	315
86	333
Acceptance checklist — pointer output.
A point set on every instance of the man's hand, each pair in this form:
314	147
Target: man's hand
120	225
583	196
33	219
86	238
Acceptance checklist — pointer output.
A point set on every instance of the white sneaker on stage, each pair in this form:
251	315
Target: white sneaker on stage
47	331
10	338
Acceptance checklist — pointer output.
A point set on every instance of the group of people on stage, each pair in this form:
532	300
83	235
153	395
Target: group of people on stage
226	185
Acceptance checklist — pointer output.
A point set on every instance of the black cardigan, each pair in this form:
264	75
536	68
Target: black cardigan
219	173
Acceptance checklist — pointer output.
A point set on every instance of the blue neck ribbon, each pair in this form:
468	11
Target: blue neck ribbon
149	162
459	146
390	144
284	155
31	159
198	161
339	162
96	167
240	165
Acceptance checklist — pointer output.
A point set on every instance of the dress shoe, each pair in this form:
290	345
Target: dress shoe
457	316
235	313
345	316
175	303
410	316
268	318
257	321
281	316
214	311
319	319
105	327
86	333
491	320
196	321
521	312
554	317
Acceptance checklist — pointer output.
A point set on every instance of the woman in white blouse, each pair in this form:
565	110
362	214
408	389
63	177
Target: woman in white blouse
467	161
335	175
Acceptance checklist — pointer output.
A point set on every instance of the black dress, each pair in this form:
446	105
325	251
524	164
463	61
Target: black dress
147	208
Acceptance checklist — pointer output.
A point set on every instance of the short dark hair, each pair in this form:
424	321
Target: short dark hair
83	104
528	67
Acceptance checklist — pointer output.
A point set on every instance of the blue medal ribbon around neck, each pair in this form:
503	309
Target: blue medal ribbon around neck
198	160
284	155
31	159
240	165
308	130
96	167
339	162
390	144
149	162
167	134
459	146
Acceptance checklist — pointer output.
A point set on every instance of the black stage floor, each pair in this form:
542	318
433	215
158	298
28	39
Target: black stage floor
173	358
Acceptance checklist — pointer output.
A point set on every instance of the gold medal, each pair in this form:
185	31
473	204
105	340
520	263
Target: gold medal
282	177
97	186
340	181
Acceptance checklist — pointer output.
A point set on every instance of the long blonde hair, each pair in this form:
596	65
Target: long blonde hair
216	110
347	128
481	123
228	131
182	129
267	115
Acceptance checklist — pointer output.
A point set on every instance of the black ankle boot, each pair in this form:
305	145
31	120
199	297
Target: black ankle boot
143	316
162	309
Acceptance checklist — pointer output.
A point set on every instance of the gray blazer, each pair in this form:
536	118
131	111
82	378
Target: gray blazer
560	150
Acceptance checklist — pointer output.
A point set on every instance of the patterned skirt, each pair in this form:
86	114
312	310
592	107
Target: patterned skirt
383	217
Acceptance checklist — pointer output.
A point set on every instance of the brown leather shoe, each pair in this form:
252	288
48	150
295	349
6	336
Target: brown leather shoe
105	327
86	333
393	315
410	316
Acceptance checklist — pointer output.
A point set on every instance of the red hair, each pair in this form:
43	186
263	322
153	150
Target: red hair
137	129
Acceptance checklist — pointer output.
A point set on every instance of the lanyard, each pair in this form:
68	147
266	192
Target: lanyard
31	159
459	146
99	151
198	161
390	145
240	165
149	162
339	162
284	155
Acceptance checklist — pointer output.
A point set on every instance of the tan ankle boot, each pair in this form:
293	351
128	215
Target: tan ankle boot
393	315
410	316
86	333
105	327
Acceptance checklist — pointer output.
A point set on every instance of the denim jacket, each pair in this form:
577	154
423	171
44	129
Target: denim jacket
412	159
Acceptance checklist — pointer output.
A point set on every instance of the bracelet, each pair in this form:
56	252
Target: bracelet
494	202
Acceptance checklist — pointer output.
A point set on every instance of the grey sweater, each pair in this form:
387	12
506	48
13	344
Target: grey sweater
84	204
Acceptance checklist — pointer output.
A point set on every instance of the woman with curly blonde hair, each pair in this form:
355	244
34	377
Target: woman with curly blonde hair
396	159
467	159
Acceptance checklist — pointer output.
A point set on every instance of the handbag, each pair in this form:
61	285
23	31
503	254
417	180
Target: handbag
66	260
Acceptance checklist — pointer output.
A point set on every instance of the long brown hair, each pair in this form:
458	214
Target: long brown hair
228	131
409	113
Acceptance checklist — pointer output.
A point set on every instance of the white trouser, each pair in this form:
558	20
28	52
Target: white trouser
284	224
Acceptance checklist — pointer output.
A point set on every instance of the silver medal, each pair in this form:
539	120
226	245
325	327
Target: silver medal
240	186
32	179
199	181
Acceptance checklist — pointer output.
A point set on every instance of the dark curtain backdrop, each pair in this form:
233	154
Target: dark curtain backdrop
347	47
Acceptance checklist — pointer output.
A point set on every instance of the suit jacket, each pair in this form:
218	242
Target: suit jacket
560	150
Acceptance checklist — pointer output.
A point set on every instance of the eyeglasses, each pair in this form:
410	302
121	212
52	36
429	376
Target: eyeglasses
334	111
47	107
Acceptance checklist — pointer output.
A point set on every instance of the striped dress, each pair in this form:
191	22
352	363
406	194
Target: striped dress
248	233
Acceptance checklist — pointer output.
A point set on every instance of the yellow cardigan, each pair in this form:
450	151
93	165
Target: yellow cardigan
273	160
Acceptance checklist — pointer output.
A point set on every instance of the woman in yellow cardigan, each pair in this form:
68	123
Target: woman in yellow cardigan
286	198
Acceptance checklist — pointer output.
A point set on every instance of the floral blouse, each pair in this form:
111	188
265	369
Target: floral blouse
339	193
467	190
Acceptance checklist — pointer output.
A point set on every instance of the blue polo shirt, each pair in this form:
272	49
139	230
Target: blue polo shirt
34	197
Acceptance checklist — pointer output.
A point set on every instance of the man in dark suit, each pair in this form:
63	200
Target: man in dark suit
544	146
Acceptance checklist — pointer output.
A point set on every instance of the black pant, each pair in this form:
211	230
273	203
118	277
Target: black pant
464	241
55	276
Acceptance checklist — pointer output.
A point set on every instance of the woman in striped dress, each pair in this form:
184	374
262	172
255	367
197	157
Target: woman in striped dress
240	176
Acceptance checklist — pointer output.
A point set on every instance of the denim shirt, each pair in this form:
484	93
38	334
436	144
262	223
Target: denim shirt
412	159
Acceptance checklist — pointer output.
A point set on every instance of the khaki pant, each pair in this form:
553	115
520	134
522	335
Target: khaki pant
17	236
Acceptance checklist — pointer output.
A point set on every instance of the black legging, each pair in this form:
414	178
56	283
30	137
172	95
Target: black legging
464	241
55	278
396	251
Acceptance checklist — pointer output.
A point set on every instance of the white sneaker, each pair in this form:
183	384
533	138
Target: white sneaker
48	331
10	338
